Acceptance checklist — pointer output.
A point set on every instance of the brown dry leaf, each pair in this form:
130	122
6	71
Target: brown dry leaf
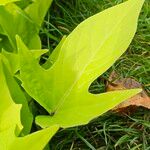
141	99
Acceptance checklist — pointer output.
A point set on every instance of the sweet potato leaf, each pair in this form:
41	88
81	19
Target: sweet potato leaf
21	24
26	23
34	141
13	57
80	111
9	111
41	138
54	55
3	2
19	98
86	53
37	10
16	98
10	118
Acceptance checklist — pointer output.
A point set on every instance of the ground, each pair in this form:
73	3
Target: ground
110	131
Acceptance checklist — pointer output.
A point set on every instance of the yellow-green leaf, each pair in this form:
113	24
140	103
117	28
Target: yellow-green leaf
34	141
9	111
4	2
85	54
13	57
37	10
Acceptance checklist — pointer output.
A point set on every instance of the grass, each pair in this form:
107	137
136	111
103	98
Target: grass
110	131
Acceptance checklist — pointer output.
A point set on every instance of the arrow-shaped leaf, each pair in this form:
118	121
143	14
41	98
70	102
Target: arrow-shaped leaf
86	53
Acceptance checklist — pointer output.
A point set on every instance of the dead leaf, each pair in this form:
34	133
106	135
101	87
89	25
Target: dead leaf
116	83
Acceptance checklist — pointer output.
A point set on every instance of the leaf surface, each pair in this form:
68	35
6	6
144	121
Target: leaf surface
26	23
13	57
4	2
34	141
37	10
21	24
12	114
85	54
9	111
54	55
81	110
19	98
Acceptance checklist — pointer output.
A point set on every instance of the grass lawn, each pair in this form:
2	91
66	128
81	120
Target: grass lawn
110	131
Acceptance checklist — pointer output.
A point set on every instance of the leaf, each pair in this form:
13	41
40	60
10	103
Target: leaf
9	111
10	123
19	98
21	24
14	92
12	57
34	141
41	138
26	23
81	111
141	99
53	57
4	2
86	53
37	10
